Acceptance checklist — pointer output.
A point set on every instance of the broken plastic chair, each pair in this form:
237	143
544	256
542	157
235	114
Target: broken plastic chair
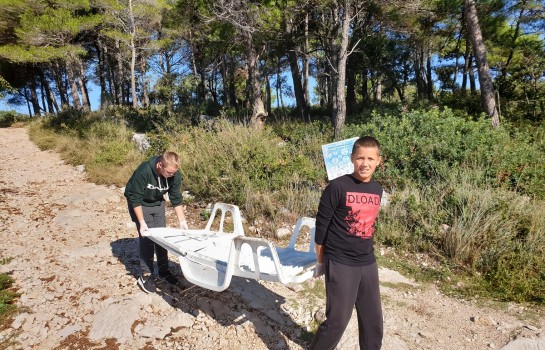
210	258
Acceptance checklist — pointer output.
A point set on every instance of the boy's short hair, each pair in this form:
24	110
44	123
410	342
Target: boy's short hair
366	141
170	159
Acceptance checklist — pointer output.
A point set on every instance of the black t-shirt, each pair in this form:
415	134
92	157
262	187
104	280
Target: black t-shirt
345	222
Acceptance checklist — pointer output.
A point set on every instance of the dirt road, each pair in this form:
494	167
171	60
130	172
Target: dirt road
74	262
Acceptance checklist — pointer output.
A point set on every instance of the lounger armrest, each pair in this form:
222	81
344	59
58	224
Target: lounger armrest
255	244
301	222
224	208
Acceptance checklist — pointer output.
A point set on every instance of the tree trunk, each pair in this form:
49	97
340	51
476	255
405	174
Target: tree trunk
27	99
46	92
194	69
43	94
120	78
467	65
306	71
109	65
34	98
364	83
101	72
339	98
145	96
429	79
53	100
378	89
268	92
471	75
297	82
132	46
231	81
350	90
419	80
72	81
225	81
279	94
485	80
323	83
58	77
212	84
423	73
259	114
82	86
400	93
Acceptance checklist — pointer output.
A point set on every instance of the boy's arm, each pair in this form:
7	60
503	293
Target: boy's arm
328	202
319	249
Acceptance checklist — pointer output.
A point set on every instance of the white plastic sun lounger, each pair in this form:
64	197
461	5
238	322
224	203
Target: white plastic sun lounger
210	258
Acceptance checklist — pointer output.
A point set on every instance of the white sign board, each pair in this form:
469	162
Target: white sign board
337	158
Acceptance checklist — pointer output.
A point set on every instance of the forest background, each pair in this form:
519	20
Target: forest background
454	90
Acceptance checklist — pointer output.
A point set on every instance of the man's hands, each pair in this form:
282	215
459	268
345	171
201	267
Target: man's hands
319	270
143	226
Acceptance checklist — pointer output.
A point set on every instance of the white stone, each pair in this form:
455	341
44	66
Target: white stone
141	141
115	321
283	232
68	331
153	332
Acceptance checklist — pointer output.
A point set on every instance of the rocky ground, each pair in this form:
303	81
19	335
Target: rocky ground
74	262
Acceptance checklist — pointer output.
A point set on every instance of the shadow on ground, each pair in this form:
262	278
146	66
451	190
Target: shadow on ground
244	301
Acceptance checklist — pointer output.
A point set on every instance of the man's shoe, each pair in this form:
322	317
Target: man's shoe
170	279
146	283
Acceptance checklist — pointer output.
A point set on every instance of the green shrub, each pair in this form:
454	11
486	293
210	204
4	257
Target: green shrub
7	296
236	164
112	152
8	118
488	232
102	143
423	145
518	275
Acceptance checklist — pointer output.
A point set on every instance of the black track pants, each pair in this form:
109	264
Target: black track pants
154	217
347	286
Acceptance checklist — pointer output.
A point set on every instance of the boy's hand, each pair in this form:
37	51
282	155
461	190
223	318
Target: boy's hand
143	227
183	225
319	270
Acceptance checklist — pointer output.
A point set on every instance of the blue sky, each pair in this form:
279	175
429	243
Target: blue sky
94	95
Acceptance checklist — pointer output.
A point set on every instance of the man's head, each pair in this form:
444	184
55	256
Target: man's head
366	157
168	164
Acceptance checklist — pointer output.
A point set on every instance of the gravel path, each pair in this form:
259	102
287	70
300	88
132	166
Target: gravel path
74	261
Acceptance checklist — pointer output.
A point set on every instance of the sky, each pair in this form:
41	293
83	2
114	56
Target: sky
94	96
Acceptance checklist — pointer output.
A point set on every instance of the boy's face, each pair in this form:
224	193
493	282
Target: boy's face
365	160
165	170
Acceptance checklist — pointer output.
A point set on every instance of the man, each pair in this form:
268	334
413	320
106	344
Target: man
145	192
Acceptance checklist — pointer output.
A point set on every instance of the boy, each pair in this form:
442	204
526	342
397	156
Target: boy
344	250
144	191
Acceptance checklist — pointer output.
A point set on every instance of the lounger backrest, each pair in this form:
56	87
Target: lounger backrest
235	214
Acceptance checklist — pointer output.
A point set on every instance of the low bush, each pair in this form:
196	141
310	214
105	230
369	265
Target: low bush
8	119
493	234
7	297
424	145
102	144
236	164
